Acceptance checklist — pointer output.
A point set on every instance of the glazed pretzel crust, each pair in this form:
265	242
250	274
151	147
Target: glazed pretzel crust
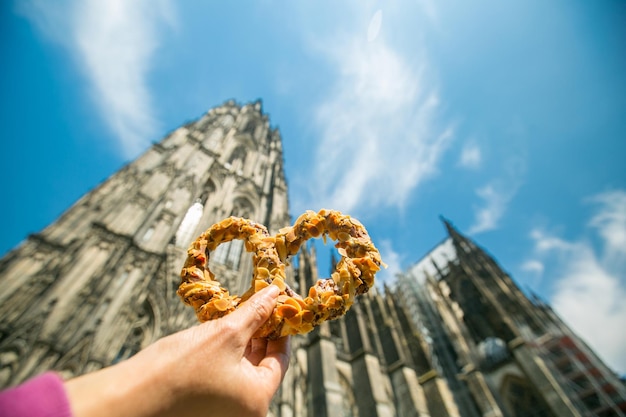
328	299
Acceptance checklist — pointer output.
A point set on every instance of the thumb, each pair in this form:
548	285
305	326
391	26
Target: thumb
255	311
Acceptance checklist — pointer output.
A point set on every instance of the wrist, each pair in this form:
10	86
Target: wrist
126	389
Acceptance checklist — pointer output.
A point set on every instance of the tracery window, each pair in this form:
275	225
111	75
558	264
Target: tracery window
227	121
185	231
237	159
474	310
146	236
348	403
250	127
213	140
521	399
229	253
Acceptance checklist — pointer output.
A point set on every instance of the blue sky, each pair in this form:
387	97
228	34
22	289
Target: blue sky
508	118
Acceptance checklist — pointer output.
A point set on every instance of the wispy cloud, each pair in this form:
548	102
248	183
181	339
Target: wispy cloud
393	261
496	197
533	266
113	43
611	221
497	194
379	133
471	156
590	288
374	27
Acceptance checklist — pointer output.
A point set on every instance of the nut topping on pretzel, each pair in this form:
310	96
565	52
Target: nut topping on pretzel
328	299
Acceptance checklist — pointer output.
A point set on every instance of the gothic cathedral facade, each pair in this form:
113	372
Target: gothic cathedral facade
100	283
454	337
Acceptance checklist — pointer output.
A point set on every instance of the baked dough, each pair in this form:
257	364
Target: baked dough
326	300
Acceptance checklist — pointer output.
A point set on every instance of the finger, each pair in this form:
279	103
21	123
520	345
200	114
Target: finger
259	345
248	350
257	351
276	360
254	312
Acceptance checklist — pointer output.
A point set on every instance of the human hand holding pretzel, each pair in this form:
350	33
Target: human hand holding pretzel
327	299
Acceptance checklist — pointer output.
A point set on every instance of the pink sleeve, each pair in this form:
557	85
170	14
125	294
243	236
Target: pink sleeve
42	396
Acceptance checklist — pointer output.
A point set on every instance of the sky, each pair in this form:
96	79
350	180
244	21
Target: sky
508	118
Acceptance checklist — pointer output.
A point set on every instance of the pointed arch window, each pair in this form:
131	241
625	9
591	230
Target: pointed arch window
250	127
146	236
227	121
348	402
521	399
187	227
229	253
237	160
213	140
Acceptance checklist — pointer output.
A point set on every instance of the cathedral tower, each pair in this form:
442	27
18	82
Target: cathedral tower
100	283
501	353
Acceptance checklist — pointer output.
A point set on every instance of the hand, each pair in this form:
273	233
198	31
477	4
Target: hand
213	369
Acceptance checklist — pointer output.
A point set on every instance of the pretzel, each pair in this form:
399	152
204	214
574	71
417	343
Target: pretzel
327	299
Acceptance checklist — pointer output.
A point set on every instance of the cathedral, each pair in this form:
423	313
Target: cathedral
453	336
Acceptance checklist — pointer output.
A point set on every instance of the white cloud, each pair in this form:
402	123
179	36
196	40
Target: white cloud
471	156
534	266
496	199
393	261
545	242
374	27
591	300
498	193
113	43
611	221
379	136
590	288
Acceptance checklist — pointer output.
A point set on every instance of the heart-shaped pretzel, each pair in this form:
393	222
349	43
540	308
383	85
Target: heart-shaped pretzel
327	299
